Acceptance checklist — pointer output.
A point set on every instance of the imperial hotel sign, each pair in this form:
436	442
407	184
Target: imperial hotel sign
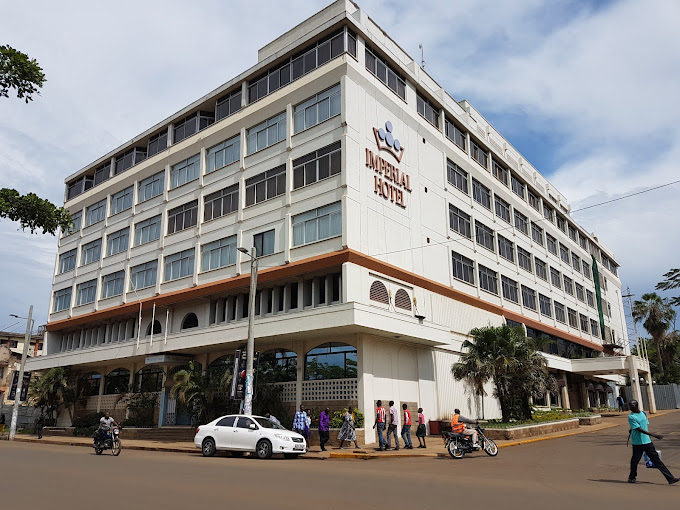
390	182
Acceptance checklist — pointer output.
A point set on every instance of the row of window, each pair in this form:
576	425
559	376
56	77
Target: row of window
315	225
464	269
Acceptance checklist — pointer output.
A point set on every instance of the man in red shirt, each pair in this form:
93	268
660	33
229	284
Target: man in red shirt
406	428
380	424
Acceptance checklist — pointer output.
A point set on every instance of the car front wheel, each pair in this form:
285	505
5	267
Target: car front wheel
208	447
264	449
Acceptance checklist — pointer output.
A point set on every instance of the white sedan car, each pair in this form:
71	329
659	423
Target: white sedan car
239	433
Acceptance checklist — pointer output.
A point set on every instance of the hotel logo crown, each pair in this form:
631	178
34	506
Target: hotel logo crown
387	142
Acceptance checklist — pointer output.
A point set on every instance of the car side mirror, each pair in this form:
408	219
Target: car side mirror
252	426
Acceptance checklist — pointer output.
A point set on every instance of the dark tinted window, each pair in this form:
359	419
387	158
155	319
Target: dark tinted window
226	422
244	423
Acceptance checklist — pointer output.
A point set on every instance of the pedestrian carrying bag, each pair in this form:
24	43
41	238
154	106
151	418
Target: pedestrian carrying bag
648	461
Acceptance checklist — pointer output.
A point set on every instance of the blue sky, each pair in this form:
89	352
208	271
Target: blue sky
586	91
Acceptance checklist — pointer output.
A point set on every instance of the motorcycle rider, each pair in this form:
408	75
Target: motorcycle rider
105	424
458	426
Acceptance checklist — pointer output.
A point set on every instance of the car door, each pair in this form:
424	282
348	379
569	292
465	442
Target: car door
225	432
247	434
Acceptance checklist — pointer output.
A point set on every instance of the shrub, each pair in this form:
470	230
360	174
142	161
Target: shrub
339	416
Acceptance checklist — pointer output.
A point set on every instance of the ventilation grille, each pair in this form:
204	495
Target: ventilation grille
379	293
402	300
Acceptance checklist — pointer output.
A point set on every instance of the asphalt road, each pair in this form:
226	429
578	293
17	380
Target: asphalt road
571	472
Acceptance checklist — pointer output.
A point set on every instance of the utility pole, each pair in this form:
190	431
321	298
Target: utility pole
17	396
250	348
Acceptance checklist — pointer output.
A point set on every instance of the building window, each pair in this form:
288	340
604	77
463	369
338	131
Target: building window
552	244
179	265
559	313
91	252
264	243
586	270
481	193
228	105
266	185
541	269
576	262
427	110
561	224
331	361
572	232
484	236
185	171
555	278
148	230
95	213
463	268
590	298
459	221
580	292
506	248
457	176
183	217
190	321
103	173
521	223
117	242
62	300
517	187
386	74
584	323
488	279
524	259
67	261
378	292
143	275
583	241
564	253
317	109
220	203
277	365
548	213
478	154
454	134
594	328
509	289
117	381
317	165
568	285
534	201
267	133
529	298
112	284
317	224
545	305
79	186
129	159
86	292
218	254
157	143
76	220
88	385
148	379
223	154
151	186
502	208
500	173
536	233
192	124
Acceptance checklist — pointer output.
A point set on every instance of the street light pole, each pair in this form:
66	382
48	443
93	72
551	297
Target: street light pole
250	348
17	395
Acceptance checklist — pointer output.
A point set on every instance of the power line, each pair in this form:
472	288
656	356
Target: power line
626	196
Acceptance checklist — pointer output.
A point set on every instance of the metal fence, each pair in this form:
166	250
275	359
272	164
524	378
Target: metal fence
667	396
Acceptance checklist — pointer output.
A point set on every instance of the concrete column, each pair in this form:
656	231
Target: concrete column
650	393
634	380
328	289
101	392
286	298
547	398
276	292
585	403
107	334
219	310
299	349
315	292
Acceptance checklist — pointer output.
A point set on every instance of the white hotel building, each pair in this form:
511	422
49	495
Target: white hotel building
389	218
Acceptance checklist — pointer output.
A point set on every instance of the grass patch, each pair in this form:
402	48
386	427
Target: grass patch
538	418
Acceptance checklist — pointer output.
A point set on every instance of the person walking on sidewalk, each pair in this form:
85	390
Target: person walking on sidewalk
39	425
640	435
406	428
380	424
421	432
620	402
300	421
392	427
324	430
348	430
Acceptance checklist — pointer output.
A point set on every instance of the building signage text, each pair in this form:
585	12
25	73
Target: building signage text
390	182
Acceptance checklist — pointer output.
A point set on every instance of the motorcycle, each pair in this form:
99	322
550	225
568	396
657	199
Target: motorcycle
111	441
459	444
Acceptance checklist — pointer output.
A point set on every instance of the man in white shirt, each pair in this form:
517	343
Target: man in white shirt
392	426
105	424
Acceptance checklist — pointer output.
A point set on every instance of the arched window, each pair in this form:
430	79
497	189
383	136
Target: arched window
148	379
402	300
156	328
88	384
277	365
379	293
190	321
331	361
219	369
117	381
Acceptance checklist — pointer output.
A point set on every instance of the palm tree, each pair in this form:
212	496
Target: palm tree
50	391
197	390
658	316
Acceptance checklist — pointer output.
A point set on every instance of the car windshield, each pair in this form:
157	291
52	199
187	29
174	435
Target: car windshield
268	424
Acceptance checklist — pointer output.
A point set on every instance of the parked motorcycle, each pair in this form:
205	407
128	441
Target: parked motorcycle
459	444
110	441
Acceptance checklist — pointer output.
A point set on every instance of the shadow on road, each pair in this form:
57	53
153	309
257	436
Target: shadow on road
602	480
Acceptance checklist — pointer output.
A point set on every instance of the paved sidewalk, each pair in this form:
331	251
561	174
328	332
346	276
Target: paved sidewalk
435	445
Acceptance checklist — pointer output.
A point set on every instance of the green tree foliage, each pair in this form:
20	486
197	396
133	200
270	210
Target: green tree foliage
511	361
657	316
33	212
51	390
204	394
671	281
20	72
670	355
